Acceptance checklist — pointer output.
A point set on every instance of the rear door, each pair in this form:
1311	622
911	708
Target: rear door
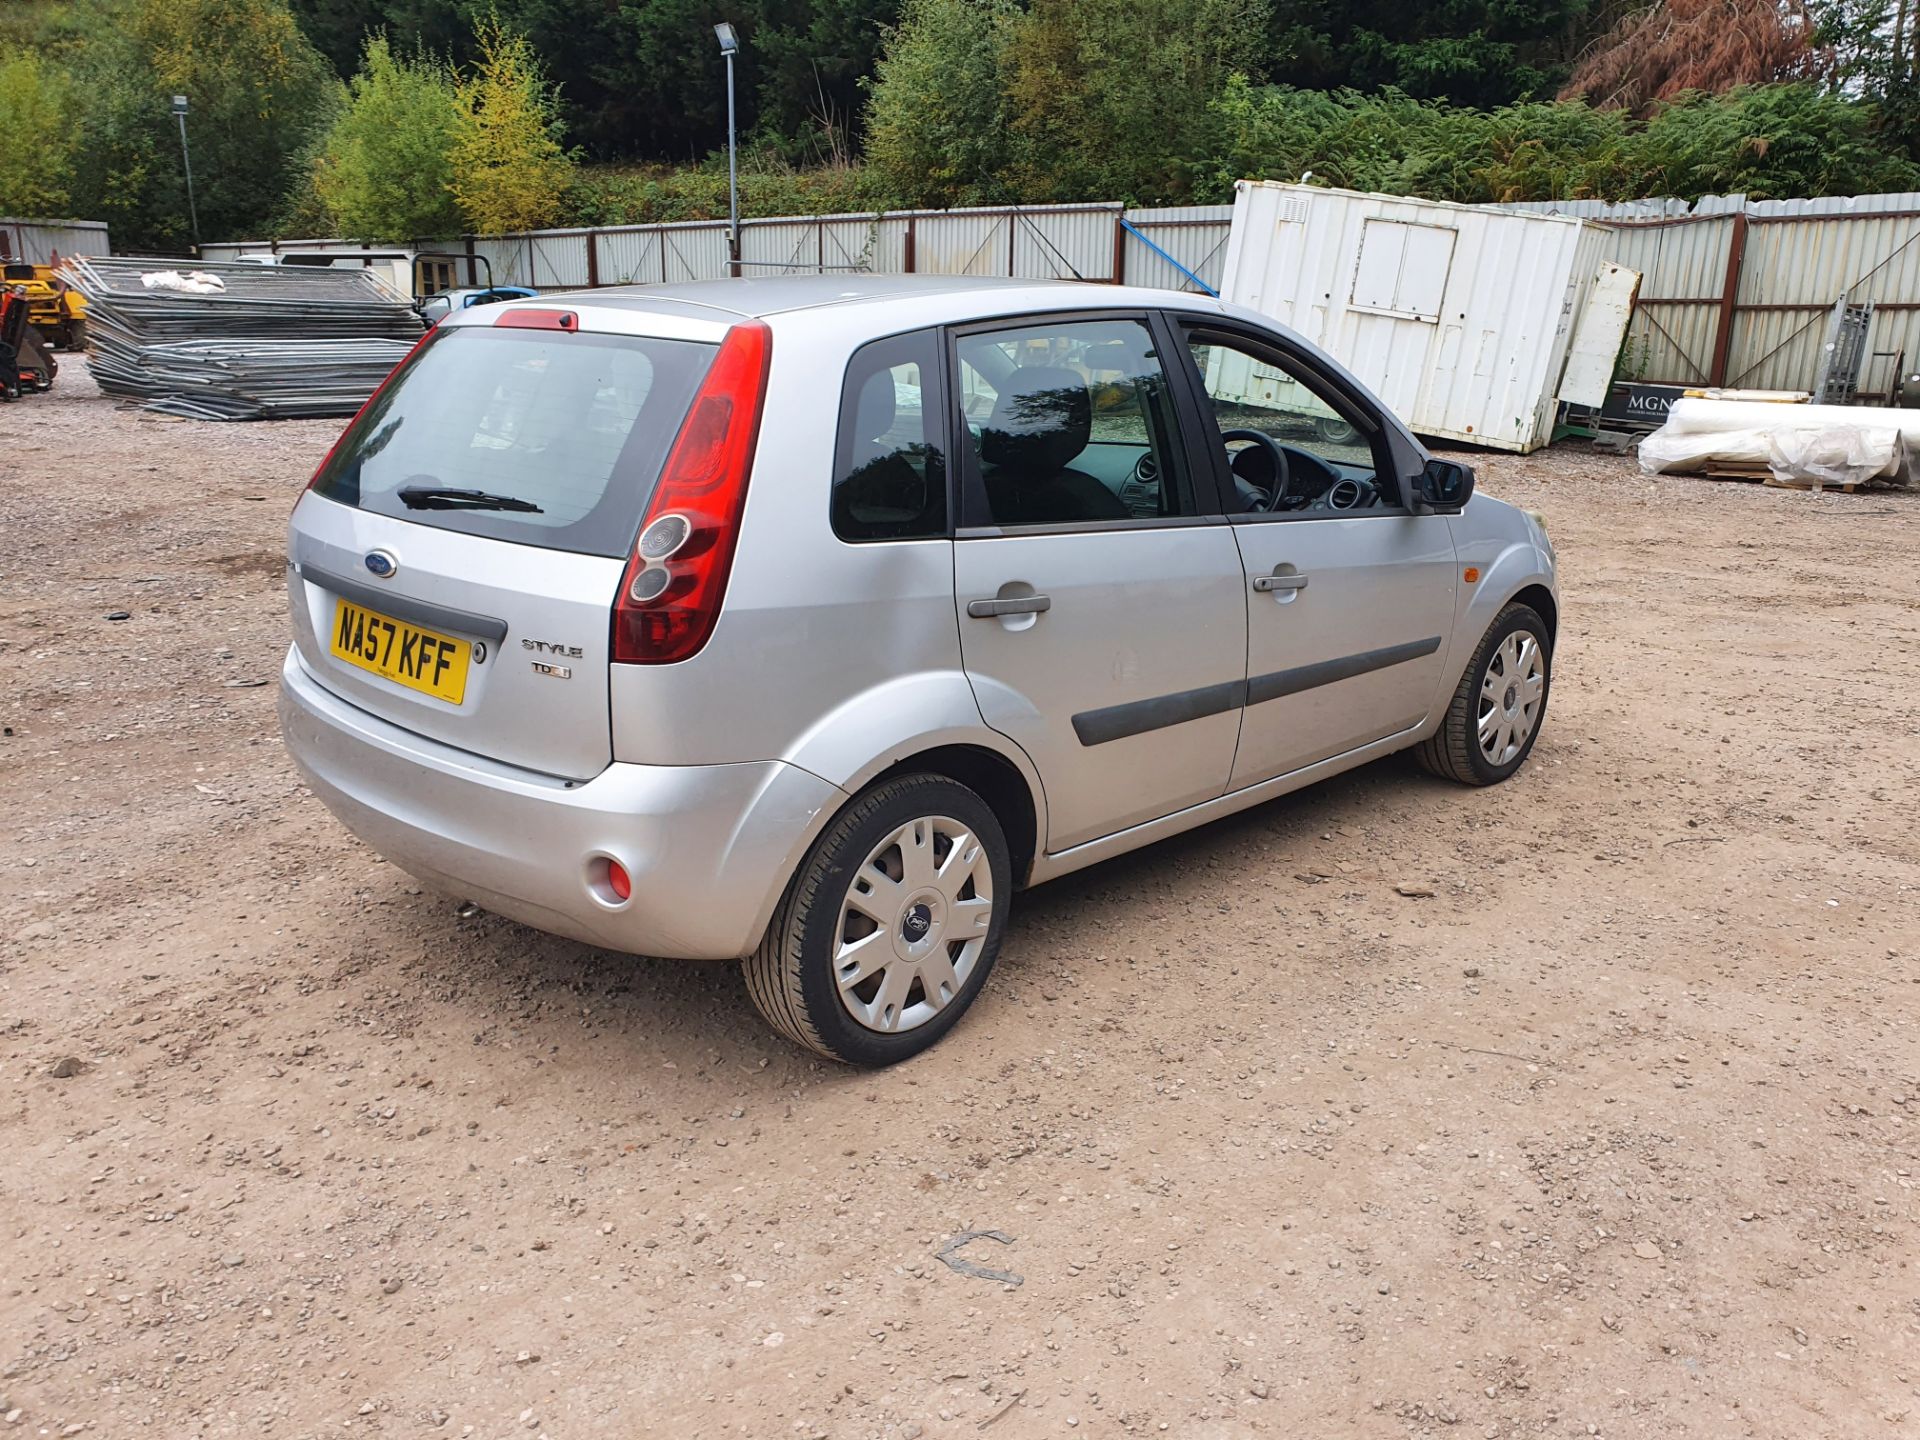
455	564
1101	607
1350	595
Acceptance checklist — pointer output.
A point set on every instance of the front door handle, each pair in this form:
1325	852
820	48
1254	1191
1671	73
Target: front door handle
1015	605
1264	583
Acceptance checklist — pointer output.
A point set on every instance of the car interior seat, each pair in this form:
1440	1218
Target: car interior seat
1042	420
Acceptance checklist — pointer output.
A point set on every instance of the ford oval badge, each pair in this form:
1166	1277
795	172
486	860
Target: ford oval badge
382	564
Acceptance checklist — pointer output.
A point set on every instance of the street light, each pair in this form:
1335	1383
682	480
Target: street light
729	47
186	158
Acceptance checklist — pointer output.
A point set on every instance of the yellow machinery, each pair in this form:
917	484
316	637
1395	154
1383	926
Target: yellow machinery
54	308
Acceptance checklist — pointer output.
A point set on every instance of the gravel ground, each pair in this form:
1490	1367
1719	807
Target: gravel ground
1612	1133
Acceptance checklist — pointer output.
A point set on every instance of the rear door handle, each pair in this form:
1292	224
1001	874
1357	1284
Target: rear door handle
1265	583
1017	605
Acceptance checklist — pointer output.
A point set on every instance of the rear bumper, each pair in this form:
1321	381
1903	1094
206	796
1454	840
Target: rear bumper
709	847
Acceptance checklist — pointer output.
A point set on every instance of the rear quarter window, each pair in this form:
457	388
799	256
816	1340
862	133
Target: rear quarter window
544	438
890	471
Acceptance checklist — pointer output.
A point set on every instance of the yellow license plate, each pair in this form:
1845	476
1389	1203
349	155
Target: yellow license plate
423	660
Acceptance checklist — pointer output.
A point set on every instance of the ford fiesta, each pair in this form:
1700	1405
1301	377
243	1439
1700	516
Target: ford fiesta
807	620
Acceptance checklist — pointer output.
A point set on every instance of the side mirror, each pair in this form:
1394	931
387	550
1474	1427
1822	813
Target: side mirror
1442	488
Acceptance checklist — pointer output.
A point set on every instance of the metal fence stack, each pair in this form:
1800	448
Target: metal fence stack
276	342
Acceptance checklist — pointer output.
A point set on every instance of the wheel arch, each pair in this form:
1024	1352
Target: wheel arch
996	780
1541	600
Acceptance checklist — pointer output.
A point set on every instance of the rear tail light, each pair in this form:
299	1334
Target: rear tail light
353	424
670	595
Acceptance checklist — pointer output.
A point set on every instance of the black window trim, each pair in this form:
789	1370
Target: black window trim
973	518
1328	387
939	431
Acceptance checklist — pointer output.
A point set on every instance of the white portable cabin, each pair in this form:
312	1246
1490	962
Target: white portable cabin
1470	322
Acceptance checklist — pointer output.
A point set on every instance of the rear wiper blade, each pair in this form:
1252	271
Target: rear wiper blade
425	497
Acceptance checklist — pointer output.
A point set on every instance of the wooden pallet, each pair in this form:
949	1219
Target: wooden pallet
1721	470
1779	484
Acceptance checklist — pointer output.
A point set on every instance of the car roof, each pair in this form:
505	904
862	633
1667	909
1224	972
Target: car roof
760	297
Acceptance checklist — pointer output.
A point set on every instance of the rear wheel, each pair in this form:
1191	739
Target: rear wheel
890	927
1496	710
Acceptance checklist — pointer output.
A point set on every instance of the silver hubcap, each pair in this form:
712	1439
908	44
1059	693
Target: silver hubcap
913	924
1510	697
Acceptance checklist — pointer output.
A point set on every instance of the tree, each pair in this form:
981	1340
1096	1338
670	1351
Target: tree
1675	47
37	114
340	29
256	88
385	169
1113	97
936	118
1471	52
509	169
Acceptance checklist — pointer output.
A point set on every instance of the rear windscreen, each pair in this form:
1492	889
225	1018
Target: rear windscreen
547	438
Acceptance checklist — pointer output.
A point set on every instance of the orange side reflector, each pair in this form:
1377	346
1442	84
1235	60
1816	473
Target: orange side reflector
1473	574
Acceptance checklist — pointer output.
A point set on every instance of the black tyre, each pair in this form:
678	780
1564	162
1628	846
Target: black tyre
891	925
1498	707
76	338
1335	431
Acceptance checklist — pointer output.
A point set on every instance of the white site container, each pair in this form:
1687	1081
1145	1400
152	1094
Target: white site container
1460	318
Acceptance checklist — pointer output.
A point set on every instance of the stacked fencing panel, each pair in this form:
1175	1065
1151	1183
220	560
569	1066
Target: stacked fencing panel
269	342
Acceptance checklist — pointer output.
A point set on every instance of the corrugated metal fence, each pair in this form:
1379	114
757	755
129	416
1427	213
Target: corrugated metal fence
38	241
1104	243
1736	292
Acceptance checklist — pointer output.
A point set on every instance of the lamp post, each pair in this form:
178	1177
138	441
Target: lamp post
186	159
729	47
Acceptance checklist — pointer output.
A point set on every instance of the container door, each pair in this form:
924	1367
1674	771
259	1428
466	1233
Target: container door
1598	335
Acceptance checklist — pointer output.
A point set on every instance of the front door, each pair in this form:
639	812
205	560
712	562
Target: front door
1349	593
1102	611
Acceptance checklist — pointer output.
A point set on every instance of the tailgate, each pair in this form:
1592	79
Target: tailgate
494	647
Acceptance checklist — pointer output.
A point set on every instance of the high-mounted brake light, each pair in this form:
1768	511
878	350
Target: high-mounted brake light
670	595
536	320
405	360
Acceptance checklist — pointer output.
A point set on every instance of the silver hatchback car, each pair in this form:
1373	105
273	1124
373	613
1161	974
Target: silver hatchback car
805	620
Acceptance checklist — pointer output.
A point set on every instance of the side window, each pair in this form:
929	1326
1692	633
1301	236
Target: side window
1288	448
889	475
1070	422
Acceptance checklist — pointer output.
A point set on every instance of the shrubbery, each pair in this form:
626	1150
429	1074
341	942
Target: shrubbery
969	102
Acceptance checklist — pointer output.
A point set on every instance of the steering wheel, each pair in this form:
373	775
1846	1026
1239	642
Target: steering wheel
1282	471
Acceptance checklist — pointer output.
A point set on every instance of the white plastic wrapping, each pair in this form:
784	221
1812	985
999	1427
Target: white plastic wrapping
1804	444
197	283
1835	454
1670	452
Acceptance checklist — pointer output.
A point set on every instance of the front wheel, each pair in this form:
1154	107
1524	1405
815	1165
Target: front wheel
1496	710
891	925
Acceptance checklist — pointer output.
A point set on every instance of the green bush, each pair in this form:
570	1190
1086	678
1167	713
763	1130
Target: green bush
38	108
385	168
1765	141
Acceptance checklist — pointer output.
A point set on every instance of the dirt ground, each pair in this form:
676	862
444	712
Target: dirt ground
1612	1134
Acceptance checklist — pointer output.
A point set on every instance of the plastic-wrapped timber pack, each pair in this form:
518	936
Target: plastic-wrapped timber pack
1805	446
